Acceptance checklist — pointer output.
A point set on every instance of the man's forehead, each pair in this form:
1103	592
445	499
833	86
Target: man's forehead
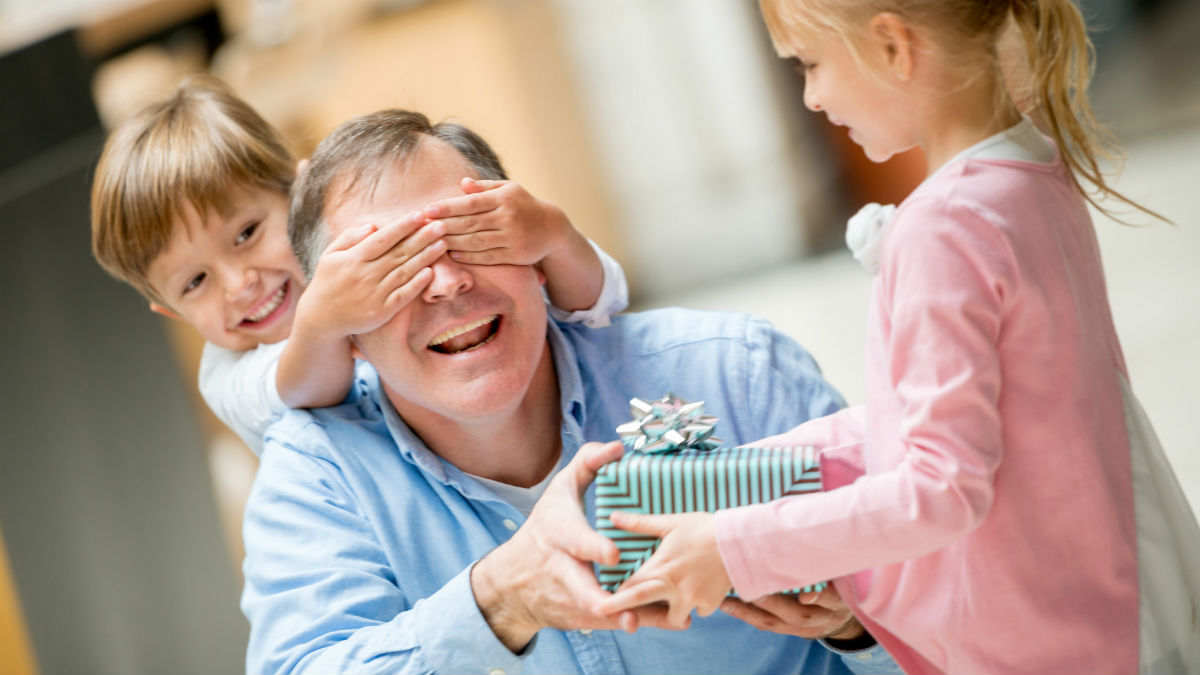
433	171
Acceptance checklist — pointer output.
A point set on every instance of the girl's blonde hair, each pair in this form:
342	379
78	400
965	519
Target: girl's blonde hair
1047	79
199	145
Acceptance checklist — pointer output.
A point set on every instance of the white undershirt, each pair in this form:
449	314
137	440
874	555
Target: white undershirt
522	499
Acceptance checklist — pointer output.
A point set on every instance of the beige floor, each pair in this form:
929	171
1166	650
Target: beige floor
1154	286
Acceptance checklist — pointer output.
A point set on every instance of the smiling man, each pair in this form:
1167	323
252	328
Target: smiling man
432	522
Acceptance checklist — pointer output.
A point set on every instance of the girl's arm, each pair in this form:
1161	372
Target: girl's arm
944	289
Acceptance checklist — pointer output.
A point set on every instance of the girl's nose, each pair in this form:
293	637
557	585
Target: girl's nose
811	100
450	279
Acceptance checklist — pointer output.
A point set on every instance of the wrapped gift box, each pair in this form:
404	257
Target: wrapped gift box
694	480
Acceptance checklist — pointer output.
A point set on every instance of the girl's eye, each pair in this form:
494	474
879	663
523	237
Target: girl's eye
805	68
193	283
247	233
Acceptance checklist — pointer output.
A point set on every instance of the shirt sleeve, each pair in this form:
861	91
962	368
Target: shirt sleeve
873	660
944	286
613	298
321	594
239	387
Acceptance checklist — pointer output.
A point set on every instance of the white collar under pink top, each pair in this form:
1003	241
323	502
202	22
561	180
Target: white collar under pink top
980	512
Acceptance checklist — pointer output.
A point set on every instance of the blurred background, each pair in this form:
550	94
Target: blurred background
668	131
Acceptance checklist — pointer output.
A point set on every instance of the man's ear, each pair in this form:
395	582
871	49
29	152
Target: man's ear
894	37
301	166
159	309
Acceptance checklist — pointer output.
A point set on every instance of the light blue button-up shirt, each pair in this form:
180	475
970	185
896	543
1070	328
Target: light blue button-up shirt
359	540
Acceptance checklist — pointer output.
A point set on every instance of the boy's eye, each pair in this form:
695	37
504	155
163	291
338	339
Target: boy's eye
247	232
193	283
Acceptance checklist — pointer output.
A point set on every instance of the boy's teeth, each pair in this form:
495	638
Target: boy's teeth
455	332
271	305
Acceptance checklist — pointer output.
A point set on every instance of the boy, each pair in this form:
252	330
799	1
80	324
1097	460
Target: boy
190	207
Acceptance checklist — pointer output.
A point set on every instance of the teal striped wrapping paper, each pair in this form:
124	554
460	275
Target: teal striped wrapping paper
691	481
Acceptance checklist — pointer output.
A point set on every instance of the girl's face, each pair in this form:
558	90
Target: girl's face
865	102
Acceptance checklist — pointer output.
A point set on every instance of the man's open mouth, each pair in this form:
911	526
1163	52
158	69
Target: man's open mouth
466	337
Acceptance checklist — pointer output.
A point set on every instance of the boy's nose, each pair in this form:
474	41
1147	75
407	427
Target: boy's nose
240	281
450	279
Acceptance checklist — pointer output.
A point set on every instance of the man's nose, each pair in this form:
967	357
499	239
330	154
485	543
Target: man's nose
450	279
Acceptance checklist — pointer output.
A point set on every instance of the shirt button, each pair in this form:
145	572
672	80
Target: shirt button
864	657
585	631
512	526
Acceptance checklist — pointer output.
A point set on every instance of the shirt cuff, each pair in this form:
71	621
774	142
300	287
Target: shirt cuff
874	659
614	296
454	636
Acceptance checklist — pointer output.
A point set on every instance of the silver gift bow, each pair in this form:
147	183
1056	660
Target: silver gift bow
669	424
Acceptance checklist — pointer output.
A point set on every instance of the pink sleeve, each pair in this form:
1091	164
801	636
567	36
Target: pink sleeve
945	277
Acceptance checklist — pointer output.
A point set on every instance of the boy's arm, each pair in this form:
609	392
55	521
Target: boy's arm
612	298
499	222
239	387
363	278
313	373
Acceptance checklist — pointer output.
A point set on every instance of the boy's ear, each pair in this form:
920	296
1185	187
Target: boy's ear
159	309
890	33
301	166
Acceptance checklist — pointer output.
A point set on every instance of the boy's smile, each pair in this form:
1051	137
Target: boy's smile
232	276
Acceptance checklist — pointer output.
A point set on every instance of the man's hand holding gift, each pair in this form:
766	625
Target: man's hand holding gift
542	576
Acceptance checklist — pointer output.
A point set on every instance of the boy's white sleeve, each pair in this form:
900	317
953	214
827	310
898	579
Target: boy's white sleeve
614	295
239	387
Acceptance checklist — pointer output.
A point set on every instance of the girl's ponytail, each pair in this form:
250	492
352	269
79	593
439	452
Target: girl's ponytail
1061	62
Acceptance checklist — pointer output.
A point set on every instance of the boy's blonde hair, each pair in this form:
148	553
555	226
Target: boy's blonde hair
200	145
1047	79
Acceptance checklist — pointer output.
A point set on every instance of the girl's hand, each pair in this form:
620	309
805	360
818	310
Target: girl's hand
823	615
685	572
497	222
366	275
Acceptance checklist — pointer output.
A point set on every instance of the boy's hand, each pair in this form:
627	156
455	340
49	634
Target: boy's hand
685	572
497	222
366	275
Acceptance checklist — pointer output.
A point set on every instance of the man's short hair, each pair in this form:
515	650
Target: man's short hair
196	146
360	151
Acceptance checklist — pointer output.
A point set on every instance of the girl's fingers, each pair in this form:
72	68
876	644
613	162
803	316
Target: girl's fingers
633	594
642	523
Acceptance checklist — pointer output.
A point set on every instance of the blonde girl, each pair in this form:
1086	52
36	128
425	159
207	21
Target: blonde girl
1000	504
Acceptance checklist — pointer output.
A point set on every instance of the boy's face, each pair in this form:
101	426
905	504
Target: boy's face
233	276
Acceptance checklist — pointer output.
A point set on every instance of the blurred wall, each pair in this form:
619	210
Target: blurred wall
104	494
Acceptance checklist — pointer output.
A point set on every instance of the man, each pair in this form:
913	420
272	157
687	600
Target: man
431	523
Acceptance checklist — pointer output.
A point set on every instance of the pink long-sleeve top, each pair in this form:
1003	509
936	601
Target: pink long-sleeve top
979	512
